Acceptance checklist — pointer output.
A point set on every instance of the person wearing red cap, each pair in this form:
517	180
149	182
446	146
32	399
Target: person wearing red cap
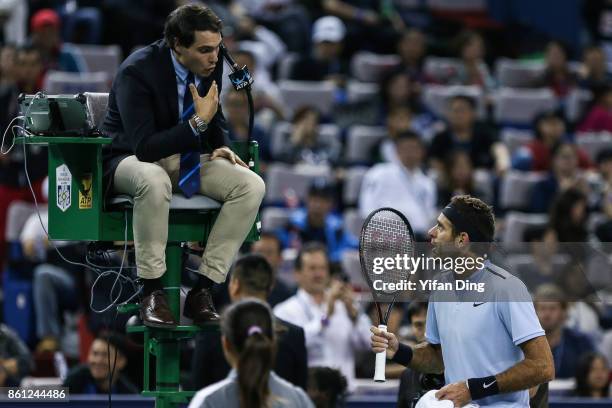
45	27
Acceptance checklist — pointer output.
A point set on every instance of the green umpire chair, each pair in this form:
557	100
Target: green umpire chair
78	212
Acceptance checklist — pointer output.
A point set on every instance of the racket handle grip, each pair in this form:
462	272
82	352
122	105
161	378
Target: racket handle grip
381	361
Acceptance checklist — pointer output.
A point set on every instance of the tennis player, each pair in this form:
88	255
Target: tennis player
491	352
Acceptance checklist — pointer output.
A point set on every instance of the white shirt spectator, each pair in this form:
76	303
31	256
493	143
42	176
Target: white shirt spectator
331	344
411	192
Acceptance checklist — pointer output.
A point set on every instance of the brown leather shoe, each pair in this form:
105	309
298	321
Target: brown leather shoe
199	307
155	312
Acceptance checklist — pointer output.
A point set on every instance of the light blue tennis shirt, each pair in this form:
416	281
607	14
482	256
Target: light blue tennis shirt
481	337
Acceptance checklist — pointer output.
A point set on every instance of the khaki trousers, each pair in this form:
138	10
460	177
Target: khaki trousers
151	184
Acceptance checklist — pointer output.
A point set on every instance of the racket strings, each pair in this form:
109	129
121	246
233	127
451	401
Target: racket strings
386	235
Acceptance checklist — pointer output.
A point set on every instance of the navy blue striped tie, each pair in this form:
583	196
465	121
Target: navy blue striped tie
189	170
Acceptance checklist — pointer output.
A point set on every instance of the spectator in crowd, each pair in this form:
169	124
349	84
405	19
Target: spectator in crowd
564	175
593	376
567	345
473	70
411	381
368	28
595	71
365	359
57	285
603	231
9	75
542	266
15	358
398	89
13	181
325	308
402	118
550	129
317	222
306	144
411	48
326	387
249	345
557	75
457	179
599	115
402	185
465	133
287	18
326	61
252	277
569	215
237	115
30	70
93	376
270	247
583	311
45	27
267	98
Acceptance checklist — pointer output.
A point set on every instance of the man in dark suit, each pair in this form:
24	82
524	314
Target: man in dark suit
168	138
252	276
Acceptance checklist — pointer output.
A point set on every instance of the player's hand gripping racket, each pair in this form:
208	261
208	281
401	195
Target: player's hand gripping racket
386	233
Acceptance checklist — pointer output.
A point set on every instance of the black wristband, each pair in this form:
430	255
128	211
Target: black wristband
482	387
403	355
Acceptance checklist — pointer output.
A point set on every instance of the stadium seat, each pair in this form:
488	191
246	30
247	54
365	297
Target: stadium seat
516	187
517	74
370	67
515	138
329	133
284	182
436	98
105	58
362	91
353	221
96	107
59	82
517	223
285	64
577	102
519	106
483	179
440	68
297	94
352	268
273	218
352	185
361	141
593	143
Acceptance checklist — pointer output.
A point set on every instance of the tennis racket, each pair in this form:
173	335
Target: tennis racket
385	234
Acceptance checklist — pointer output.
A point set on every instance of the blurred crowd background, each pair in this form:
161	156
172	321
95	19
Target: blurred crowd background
359	104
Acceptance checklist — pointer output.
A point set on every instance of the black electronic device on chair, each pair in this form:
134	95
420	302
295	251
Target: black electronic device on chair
55	115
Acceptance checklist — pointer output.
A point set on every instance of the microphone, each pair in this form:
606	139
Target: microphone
240	77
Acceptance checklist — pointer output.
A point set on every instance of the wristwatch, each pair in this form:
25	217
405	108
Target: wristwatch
201	124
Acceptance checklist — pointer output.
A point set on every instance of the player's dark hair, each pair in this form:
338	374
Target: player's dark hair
185	20
479	214
327	386
583	371
248	327
309	248
416	308
254	274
